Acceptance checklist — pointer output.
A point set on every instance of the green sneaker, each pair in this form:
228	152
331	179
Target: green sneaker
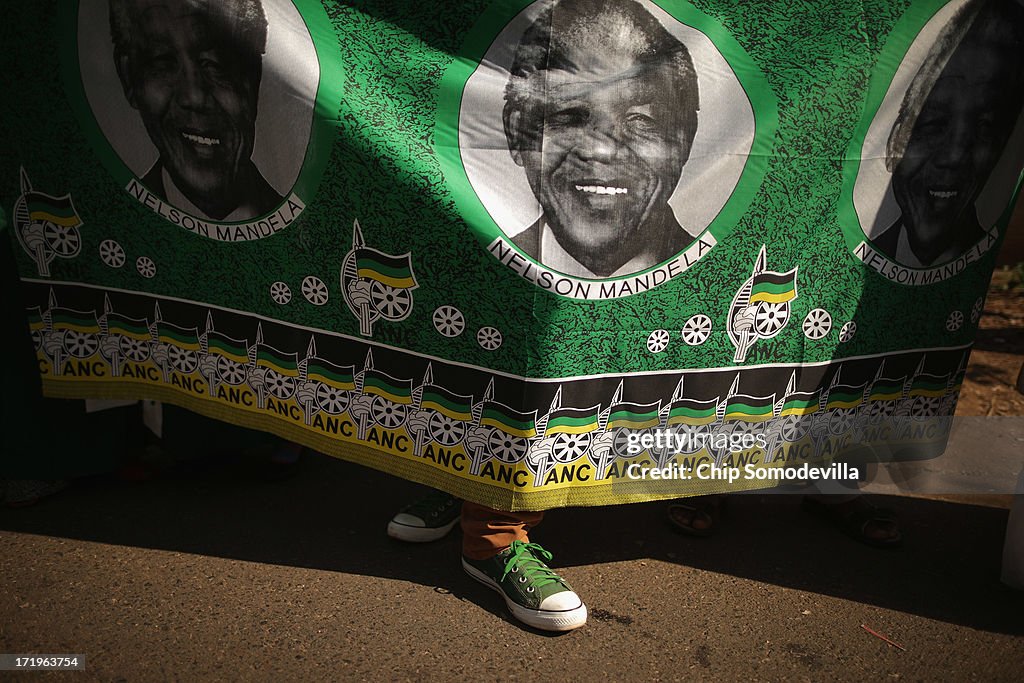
535	594
428	519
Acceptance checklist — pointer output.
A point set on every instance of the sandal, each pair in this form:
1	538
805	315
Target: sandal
683	515
855	519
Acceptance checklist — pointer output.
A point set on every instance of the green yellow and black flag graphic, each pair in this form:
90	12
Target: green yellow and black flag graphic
774	288
226	347
338	376
634	415
133	328
690	411
384	385
394	271
286	364
800	403
57	210
78	321
183	337
449	404
746	408
573	420
928	385
844	396
510	421
886	389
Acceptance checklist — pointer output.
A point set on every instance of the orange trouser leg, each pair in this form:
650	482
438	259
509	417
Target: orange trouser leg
486	532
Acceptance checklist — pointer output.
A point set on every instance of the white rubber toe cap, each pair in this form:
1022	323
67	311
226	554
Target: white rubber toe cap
561	602
408	520
415	531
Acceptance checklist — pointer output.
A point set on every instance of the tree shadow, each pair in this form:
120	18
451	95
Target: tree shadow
986	375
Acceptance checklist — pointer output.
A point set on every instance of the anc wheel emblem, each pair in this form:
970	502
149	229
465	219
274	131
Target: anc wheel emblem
387	414
145	266
449	321
80	344
61	240
229	371
280	386
182	360
977	309
331	400
769	318
112	254
657	341
133	349
793	428
507	448
445	430
489	338
280	293
569	447
393	303
315	291
817	324
622	443
696	330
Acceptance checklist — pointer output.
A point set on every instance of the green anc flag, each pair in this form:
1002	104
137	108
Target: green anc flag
286	364
773	288
340	377
887	390
928	385
56	210
634	415
448	403
500	416
78	321
690	411
186	338
844	396
746	408
800	403
222	345
394	271
384	385
134	328
573	420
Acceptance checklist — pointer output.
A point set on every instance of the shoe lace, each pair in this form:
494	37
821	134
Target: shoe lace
529	558
431	504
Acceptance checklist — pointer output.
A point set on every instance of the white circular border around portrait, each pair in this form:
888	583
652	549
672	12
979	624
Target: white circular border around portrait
873	198
725	132
284	116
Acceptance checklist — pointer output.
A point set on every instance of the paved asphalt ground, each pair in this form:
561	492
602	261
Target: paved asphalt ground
208	574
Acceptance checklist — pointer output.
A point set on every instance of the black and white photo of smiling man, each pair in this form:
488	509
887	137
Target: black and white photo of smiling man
600	112
951	130
192	70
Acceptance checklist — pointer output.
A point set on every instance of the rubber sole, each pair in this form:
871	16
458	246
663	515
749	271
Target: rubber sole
545	620
418	534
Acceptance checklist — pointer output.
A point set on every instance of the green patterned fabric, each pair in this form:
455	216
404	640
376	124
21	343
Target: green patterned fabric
493	246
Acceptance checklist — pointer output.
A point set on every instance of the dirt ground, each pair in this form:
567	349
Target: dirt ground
989	388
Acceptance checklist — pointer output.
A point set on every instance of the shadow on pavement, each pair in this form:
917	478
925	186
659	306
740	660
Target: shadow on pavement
331	516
